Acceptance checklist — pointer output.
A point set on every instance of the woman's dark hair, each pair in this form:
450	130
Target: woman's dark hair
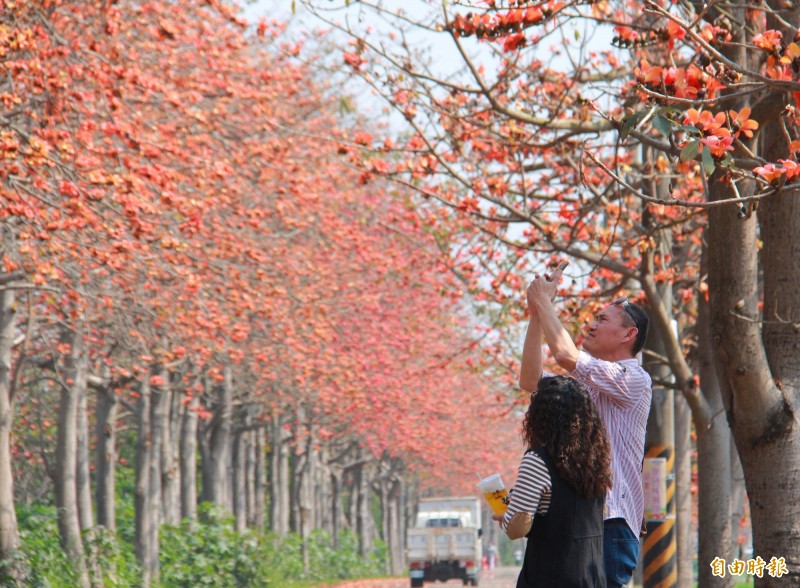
563	419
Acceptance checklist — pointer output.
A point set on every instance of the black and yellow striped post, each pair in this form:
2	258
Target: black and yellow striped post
659	548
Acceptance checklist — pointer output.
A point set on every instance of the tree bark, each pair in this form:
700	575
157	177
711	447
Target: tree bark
106	434
396	527
684	537
737	509
713	465
146	520
66	489
217	456
240	449
260	485
759	382
337	521
279	477
756	351
365	525
9	530
163	444
188	459
83	477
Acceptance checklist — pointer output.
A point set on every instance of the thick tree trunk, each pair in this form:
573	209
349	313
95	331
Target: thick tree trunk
772	485
9	531
250	465
396	537
279	479
239	491
155	490
106	434
168	486
320	491
713	466
83	476
684	537
365	526
756	350
217	452
259	485
738	496
66	488
337	518
188	460
146	517
759	377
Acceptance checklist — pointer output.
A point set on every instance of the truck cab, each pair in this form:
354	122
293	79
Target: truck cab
444	543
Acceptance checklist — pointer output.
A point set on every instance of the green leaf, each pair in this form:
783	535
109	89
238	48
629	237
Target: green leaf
689	151
631	122
708	161
662	125
726	161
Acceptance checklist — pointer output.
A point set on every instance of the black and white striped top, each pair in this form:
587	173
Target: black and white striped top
532	490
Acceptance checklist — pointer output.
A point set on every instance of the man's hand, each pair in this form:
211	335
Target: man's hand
543	289
557	273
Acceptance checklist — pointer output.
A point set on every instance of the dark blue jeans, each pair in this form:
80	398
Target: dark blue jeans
620	552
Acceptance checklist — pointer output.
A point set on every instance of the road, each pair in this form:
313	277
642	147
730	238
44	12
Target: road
500	578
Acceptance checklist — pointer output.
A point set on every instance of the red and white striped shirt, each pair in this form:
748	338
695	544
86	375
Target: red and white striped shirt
622	392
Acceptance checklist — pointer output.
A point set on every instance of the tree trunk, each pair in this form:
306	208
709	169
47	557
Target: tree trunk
336	505
217	454
83	477
713	465
365	525
755	348
739	533
279	478
759	377
772	485
385	485
188	459
163	444
239	491
301	509
146	520
259	486
66	489
106	434
396	537
684	537
658	556
9	531
158	406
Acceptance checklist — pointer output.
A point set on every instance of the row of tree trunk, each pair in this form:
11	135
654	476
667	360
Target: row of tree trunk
267	470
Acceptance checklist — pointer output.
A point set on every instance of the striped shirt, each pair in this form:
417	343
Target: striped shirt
622	392
532	489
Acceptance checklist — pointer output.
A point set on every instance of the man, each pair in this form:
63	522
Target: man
621	390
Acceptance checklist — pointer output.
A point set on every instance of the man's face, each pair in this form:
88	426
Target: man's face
609	333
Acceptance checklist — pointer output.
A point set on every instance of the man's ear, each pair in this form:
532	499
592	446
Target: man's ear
631	334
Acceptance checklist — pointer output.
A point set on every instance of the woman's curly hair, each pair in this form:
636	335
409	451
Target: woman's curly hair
563	419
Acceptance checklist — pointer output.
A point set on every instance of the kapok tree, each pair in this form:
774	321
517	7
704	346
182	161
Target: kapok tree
526	140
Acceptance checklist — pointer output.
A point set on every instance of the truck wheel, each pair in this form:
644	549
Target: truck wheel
417	582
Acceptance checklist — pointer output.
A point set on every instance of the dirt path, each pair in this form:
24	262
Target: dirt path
499	578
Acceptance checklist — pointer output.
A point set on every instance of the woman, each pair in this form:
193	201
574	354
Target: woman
557	501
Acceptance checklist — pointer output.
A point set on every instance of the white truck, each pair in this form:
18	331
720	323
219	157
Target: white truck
445	542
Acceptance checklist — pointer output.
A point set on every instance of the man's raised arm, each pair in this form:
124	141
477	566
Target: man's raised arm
530	370
544	321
